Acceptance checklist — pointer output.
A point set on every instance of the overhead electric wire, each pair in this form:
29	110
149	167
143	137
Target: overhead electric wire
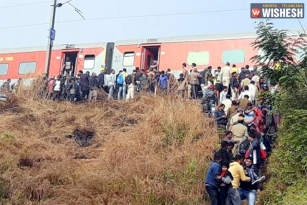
28	4
302	26
122	17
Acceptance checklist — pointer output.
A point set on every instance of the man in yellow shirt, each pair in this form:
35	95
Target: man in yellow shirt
277	65
234	69
237	172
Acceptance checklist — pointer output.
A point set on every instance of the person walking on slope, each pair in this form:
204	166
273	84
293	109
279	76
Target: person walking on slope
238	173
212	179
226	72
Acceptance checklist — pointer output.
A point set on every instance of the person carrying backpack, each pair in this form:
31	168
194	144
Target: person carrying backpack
120	82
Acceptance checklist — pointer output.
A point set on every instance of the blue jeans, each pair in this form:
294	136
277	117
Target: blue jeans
249	195
121	89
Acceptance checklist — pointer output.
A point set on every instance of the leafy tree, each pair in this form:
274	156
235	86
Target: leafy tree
280	51
279	62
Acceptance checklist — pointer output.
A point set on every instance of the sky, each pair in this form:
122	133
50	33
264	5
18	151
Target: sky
25	23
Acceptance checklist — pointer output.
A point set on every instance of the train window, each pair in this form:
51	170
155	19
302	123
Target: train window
128	59
27	68
199	58
4	67
234	56
89	62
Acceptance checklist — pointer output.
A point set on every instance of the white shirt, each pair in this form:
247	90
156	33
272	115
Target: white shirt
245	93
227	104
111	78
218	76
57	86
223	96
253	91
255	78
106	79
226	72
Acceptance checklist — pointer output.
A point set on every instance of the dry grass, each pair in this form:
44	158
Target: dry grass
151	151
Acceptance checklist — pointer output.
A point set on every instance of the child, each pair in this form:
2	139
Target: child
225	182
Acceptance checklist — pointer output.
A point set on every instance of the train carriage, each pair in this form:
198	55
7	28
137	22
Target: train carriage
30	62
204	50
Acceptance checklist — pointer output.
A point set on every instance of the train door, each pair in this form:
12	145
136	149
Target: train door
149	54
72	57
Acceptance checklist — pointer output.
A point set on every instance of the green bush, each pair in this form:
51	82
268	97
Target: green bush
296	194
288	163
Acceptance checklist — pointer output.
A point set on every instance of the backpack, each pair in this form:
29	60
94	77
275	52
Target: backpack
128	79
120	79
243	147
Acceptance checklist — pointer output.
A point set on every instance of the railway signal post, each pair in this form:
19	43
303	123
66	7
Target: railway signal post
51	36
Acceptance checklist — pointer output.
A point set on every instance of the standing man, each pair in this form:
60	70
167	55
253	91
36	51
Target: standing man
211	180
68	67
238	174
226	71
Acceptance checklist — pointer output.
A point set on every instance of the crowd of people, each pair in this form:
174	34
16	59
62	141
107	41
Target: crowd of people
249	127
228	94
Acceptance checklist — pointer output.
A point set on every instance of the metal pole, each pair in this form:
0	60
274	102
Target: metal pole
50	41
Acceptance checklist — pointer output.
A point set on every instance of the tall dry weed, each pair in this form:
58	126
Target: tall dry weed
149	151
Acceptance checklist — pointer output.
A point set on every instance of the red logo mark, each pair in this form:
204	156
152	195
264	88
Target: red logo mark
256	13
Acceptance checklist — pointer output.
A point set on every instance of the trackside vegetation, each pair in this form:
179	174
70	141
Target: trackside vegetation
287	165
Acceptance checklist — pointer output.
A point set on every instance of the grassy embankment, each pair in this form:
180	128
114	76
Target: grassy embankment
287	165
151	151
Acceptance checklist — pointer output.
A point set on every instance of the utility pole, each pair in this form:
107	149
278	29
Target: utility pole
51	37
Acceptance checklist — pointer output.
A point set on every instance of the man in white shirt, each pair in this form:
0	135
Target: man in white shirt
227	103
57	88
223	94
253	91
256	78
226	73
245	92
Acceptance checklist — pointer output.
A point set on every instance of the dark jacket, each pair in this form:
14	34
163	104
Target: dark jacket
85	82
225	156
138	76
226	179
93	82
234	83
243	74
219	119
100	80
255	144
